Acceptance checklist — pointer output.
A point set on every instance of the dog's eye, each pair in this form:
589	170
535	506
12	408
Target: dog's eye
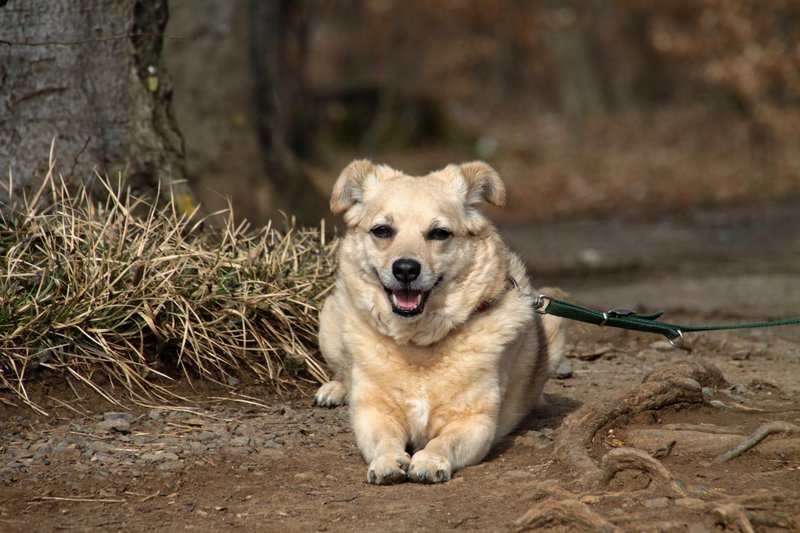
439	234
382	232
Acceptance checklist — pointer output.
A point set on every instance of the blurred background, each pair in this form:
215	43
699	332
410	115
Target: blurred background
584	107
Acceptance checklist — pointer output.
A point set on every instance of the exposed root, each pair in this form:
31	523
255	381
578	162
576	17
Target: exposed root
760	434
733	514
732	406
572	513
705	374
621	459
702	428
677	384
669	386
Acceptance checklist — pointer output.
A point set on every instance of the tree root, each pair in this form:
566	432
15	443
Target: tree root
731	406
760	434
733	514
705	374
621	459
578	516
675	384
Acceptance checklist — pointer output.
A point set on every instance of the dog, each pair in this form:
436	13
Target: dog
430	331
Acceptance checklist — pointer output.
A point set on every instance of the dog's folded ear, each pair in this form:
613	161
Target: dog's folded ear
478	182
348	191
482	184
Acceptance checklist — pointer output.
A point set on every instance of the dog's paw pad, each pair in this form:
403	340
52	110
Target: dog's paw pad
388	469
331	394
429	468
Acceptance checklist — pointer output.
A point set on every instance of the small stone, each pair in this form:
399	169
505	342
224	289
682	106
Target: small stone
100	446
205	436
240	441
741	355
67	454
119	425
155	457
42	450
739	388
662	346
304	476
232	381
171	466
590	257
695	504
117	415
533	438
155	414
564	370
708	393
15	452
657	503
518	474
272	453
698	527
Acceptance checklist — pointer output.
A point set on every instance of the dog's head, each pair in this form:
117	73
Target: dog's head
411	238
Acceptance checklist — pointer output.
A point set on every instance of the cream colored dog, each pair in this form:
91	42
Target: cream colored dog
430	332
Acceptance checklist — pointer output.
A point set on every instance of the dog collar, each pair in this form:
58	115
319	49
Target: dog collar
511	283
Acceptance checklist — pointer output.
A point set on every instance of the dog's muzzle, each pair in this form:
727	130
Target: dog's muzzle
406	301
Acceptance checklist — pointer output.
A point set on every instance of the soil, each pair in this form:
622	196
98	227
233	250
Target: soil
265	462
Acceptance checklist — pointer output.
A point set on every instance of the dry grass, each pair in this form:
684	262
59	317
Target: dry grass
126	297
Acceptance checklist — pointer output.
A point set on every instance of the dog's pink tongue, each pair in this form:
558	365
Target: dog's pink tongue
407	299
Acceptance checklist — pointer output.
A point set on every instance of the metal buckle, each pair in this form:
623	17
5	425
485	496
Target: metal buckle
620	312
617	312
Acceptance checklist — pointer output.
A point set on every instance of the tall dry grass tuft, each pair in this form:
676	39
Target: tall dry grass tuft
125	296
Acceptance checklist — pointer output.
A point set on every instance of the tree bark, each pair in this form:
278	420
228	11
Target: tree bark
278	53
88	76
579	88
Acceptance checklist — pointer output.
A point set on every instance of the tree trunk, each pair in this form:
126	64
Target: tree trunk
278	48
87	75
579	88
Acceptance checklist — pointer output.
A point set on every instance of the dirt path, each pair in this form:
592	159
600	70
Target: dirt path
215	465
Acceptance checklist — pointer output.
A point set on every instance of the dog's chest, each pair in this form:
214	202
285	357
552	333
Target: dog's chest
418	410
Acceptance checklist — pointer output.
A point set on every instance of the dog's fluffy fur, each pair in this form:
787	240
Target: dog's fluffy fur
430	331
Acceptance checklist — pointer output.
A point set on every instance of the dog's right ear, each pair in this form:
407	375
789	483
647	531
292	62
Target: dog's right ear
348	191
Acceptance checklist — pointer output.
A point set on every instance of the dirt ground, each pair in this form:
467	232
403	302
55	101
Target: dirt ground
265	463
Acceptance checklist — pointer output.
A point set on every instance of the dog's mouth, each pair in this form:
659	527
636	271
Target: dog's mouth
407	302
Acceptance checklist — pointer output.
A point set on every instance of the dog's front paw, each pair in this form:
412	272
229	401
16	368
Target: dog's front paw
331	394
427	467
387	469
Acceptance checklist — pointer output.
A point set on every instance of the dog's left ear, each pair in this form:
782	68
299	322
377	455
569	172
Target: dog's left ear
478	182
482	184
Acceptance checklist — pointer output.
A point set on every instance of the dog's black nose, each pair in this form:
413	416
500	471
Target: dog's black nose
406	270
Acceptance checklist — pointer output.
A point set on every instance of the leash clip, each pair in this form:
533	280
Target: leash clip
617	312
539	303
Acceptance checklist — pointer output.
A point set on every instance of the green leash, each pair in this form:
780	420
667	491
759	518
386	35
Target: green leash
627	319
